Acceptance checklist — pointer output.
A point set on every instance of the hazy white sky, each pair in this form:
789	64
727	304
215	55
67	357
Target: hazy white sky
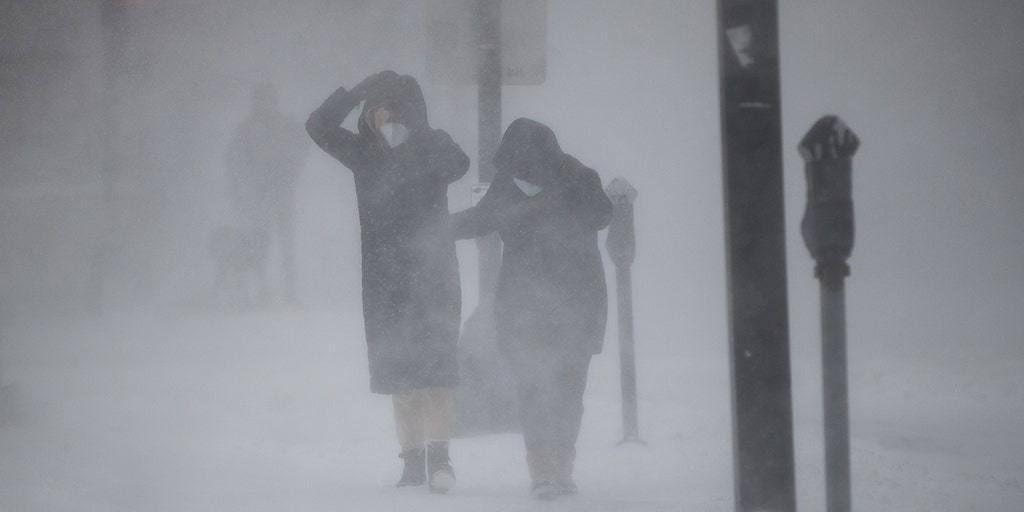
932	89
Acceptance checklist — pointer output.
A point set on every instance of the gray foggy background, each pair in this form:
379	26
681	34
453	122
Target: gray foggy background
933	90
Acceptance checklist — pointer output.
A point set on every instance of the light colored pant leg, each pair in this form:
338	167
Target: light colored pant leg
438	413
409	419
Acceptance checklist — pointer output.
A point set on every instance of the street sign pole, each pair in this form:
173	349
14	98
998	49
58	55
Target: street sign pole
486	399
489	98
756	257
487	43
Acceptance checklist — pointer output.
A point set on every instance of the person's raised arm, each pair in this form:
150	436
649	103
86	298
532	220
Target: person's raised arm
324	124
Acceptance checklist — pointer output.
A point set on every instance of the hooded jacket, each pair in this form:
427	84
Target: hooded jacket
551	287
411	294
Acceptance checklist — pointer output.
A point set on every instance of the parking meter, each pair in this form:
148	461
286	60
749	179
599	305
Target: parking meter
621	245
827	226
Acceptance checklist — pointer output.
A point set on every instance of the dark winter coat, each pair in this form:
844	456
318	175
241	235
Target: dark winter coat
551	287
411	293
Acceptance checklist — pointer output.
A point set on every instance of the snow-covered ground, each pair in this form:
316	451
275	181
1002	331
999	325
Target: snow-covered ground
270	411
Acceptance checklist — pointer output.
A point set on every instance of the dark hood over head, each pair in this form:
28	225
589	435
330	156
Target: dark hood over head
405	97
527	142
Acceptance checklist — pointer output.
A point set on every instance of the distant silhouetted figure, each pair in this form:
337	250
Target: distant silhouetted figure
264	159
551	303
411	297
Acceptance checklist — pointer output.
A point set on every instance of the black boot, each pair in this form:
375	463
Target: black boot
415	472
439	467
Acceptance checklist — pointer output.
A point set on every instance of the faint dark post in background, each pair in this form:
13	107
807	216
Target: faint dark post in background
489	91
621	246
123	132
114	32
487	43
114	25
486	399
123	265
756	257
6	399
8	404
827	228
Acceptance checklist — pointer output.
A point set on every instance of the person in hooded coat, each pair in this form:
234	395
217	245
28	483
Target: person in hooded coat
410	280
551	302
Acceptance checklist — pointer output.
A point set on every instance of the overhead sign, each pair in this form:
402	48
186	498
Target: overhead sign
452	42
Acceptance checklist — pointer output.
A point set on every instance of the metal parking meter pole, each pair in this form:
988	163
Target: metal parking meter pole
836	409
621	246
827	228
756	256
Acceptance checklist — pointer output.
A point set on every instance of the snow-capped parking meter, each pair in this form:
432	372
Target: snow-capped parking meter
621	246
827	226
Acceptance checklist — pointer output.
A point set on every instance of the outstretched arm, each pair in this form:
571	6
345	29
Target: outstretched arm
481	219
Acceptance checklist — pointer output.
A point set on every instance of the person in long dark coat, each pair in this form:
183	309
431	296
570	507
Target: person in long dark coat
551	302
411	293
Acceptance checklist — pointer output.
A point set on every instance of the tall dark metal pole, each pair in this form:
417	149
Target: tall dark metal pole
756	257
489	81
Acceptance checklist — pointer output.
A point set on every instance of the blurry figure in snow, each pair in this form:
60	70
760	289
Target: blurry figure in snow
551	303
264	159
411	296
